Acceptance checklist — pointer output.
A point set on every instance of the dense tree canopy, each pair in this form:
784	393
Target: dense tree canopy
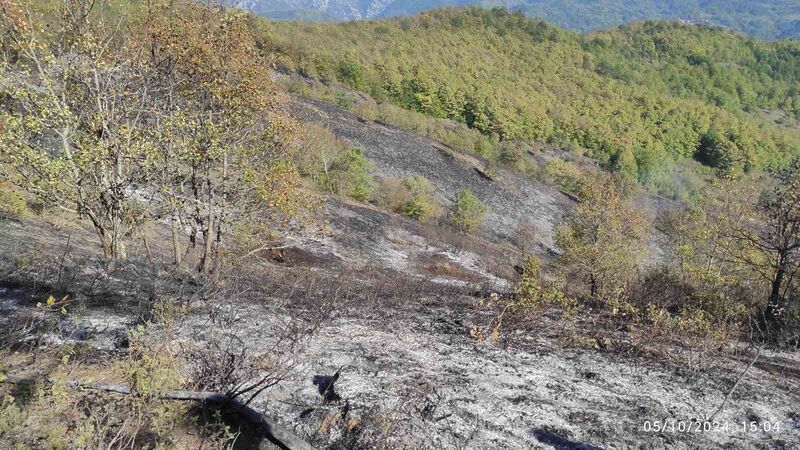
764	18
655	91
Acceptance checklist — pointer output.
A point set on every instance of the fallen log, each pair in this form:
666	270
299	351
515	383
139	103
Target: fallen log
275	433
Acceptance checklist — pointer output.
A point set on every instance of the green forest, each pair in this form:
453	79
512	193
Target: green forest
763	18
638	98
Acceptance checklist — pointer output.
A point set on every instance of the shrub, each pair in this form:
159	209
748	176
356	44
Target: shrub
532	298
413	197
511	154
468	212
11	203
422	204
344	100
532	294
391	194
562	173
350	72
483	146
335	167
348	175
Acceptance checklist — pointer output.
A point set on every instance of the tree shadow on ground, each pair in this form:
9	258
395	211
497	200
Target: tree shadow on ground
560	442
211	418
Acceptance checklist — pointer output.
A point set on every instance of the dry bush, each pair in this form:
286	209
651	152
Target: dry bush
143	419
222	360
42	411
68	266
694	309
440	266
43	268
534	299
524	237
664	318
391	194
761	328
366	290
222	356
24	330
402	423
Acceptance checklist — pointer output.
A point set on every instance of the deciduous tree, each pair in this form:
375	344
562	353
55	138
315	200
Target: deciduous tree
603	239
773	234
74	103
223	142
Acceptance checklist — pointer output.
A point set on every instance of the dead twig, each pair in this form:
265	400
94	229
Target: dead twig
735	385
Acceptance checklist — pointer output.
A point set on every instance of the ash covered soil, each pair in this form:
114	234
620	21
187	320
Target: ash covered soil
420	373
443	389
409	364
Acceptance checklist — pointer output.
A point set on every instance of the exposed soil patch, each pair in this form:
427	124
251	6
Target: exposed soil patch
439	265
299	257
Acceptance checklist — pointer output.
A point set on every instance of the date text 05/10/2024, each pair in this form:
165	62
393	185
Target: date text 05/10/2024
693	426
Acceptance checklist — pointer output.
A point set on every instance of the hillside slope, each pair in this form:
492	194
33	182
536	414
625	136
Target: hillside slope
191	257
404	344
512	198
638	98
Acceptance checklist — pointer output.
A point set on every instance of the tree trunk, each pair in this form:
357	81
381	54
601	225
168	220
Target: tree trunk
775	308
176	253
208	241
775	297
118	248
107	252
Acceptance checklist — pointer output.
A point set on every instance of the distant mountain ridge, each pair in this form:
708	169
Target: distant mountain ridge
769	19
